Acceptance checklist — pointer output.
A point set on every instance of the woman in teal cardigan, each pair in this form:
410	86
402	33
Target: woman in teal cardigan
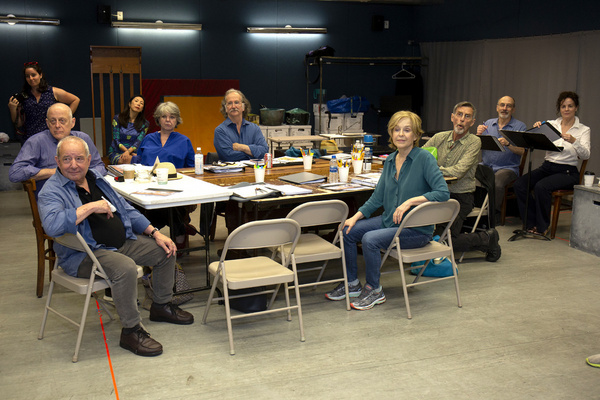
410	177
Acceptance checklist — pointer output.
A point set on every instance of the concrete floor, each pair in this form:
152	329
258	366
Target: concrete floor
526	326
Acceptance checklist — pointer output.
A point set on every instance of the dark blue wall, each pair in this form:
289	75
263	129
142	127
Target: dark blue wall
270	69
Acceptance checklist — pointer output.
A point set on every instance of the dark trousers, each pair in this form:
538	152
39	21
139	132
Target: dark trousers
544	180
465	241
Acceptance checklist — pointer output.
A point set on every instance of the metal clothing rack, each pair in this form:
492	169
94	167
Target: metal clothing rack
366	61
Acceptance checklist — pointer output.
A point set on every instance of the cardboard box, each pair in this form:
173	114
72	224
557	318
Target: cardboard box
316	108
300	130
353	122
330	123
278	130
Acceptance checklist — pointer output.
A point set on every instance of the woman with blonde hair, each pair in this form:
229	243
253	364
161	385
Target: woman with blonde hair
410	177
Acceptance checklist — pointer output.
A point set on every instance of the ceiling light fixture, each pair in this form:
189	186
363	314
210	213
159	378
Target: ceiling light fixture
285	29
12	20
156	25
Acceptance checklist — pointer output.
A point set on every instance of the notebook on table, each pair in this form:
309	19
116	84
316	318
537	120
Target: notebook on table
303	177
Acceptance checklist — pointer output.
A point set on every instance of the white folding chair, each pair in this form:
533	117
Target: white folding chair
257	271
85	286
312	247
429	213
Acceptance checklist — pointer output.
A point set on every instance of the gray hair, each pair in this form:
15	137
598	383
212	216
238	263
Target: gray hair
75	139
465	104
247	106
165	108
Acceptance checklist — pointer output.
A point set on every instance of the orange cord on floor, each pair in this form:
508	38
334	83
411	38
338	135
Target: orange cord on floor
112	373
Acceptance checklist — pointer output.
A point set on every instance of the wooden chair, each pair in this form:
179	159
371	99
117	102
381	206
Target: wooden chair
509	192
557	201
44	252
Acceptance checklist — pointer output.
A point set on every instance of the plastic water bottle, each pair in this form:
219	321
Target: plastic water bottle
199	162
333	171
368	159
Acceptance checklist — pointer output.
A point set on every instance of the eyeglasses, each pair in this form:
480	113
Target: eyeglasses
30	63
460	115
231	103
62	121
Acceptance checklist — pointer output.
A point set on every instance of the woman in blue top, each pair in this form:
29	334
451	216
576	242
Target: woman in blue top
173	147
29	116
129	128
410	177
166	144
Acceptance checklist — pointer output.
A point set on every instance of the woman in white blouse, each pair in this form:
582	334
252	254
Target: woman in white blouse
559	170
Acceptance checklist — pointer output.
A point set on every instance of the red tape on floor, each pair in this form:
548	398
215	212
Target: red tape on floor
112	372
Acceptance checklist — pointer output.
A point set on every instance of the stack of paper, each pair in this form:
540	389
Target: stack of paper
369	179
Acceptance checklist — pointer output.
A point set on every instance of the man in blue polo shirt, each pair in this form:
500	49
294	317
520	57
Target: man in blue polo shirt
36	158
504	163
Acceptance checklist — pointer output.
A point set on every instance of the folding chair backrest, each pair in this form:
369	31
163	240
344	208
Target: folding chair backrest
431	213
77	242
267	233
316	213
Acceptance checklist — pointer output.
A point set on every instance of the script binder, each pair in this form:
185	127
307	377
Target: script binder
492	143
547	130
303	177
530	140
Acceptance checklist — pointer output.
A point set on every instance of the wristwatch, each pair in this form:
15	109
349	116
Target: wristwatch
151	234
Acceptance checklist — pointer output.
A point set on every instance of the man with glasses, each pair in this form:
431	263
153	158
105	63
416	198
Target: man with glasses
458	156
504	163
237	139
36	158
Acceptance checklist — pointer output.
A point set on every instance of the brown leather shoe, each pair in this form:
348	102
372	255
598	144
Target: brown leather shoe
170	313
139	342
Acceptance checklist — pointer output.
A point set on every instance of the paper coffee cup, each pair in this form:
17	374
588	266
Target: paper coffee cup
259	174
128	172
344	172
162	176
307	160
357	166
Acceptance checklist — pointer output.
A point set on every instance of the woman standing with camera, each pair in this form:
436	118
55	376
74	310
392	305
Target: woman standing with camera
28	108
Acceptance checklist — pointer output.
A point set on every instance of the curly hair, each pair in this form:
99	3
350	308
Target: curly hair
566	95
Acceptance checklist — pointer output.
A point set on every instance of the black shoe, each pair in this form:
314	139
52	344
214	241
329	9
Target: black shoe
139	342
170	313
493	251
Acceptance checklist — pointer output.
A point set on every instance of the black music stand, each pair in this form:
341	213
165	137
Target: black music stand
532	141
492	143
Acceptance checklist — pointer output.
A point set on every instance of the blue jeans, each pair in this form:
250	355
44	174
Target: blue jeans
374	238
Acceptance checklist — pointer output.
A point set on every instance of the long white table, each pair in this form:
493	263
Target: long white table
193	191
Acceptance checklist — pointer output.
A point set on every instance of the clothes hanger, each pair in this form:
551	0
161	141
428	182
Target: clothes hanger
403	74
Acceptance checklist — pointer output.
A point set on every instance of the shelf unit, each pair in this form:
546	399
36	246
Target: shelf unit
366	61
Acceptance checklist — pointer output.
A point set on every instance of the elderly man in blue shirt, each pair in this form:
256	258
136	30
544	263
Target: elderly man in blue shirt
237	139
37	156
77	199
504	163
